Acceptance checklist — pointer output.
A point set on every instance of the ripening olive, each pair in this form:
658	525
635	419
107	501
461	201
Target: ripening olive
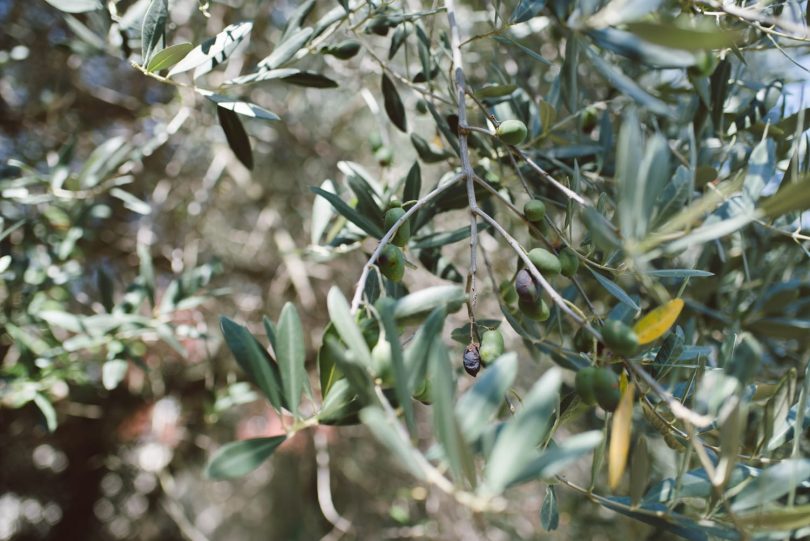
402	235
537	310
545	261
525	287
378	25
583	383
606	388
569	262
512	132
491	346
619	337
391	263
534	210
472	359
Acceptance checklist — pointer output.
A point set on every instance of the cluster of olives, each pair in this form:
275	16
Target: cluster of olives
598	386
491	348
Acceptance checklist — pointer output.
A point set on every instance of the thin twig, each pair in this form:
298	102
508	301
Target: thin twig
341	524
466	166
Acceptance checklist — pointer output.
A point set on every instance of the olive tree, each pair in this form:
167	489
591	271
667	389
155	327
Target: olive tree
614	187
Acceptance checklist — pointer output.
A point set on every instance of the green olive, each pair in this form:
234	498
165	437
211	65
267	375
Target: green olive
545	261
619	337
537	310
583	341
508	292
606	389
402	235
491	346
569	262
381	361
344	50
512	132
421	107
583	383
392	263
534	210
384	156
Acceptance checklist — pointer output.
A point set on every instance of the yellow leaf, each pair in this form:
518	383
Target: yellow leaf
656	323
620	438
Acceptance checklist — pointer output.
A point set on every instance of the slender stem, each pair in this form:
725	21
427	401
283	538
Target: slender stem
361	283
556	183
466	166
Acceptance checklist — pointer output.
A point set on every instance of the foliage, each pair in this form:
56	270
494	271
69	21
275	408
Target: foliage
668	168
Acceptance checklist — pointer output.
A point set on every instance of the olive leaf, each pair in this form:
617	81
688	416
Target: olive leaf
393	104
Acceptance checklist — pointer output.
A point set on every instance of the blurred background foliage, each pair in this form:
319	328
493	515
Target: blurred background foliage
129	225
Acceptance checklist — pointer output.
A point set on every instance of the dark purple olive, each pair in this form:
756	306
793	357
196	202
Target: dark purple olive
526	287
472	360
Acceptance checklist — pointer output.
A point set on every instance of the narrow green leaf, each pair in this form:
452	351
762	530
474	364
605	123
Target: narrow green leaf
310	79
214	51
291	356
417	353
236	136
284	52
153	31
238	458
549	514
614	289
382	428
47	410
773	483
393	104
445	424
526	9
776	519
385	307
481	402
244	108
254	360
676	37
791	197
626	85
553	460
76	6
349	213
425	300
631	184
516	444
413	184
348	330
113	373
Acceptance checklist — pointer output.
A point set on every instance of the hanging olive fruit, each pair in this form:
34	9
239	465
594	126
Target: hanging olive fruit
344	50
391	263
569	262
583	341
491	346
472	360
421	107
534	210
545	261
606	389
384	156
508	292
381	359
512	132
619	337
525	287
537	310
583	383
402	235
